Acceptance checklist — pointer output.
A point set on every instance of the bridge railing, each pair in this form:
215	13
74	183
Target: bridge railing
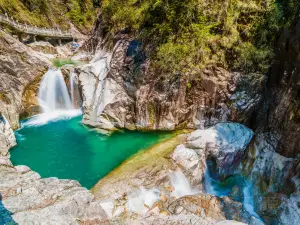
33	29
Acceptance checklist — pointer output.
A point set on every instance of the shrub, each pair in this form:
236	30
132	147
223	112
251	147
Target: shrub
188	35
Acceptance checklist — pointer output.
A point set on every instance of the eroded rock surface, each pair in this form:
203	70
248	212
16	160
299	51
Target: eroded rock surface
159	191
7	140
144	190
226	143
19	67
139	98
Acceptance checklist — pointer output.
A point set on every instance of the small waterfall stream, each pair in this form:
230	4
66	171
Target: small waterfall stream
54	99
53	92
235	186
181	185
72	84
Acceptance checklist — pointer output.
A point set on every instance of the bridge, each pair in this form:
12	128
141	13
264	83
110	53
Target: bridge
36	31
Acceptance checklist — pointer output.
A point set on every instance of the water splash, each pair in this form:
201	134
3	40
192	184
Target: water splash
182	186
45	118
142	200
54	100
53	92
248	199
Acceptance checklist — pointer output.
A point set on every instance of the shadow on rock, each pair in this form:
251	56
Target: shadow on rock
5	215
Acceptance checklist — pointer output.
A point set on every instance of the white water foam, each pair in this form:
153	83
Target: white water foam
248	199
181	185
54	100
45	118
53	92
142	200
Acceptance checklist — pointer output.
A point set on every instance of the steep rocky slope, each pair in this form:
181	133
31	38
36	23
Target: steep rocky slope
273	159
121	91
19	66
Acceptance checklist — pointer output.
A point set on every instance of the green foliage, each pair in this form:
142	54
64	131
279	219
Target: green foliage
51	13
61	62
251	58
81	12
188	35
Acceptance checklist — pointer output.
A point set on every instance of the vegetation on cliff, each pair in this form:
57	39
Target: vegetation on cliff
51	13
188	35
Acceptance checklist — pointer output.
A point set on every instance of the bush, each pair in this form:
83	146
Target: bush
51	13
188	35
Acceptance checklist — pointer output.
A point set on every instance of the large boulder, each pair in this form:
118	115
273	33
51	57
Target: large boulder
25	198
289	211
225	143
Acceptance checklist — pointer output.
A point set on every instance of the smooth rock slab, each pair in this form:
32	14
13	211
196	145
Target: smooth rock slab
225	142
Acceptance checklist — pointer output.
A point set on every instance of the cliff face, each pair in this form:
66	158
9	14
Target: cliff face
284	93
138	97
272	162
19	67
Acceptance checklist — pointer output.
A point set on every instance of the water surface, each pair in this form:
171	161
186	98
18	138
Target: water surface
68	150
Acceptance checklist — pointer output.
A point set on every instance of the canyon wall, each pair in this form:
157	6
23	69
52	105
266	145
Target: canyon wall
20	66
272	161
137	97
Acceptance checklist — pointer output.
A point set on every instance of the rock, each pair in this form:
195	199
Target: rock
143	99
46	201
225	142
19	66
192	164
22	169
289	211
229	222
45	47
247	97
7	138
120	197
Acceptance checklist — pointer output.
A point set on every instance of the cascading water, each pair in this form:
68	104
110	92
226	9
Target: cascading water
74	90
53	92
220	188
248	198
72	85
181	185
54	99
141	200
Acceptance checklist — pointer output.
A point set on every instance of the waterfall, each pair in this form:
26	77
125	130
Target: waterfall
53	93
216	188
208	183
142	200
181	185
72	85
54	99
248	199
74	90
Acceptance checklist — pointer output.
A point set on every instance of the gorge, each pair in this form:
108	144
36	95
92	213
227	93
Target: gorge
176	114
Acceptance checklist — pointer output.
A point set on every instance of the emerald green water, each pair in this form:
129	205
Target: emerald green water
68	150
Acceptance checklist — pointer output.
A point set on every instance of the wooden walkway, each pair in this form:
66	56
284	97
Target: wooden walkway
36	31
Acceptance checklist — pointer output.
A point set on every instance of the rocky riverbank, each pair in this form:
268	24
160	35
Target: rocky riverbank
121	90
126	195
